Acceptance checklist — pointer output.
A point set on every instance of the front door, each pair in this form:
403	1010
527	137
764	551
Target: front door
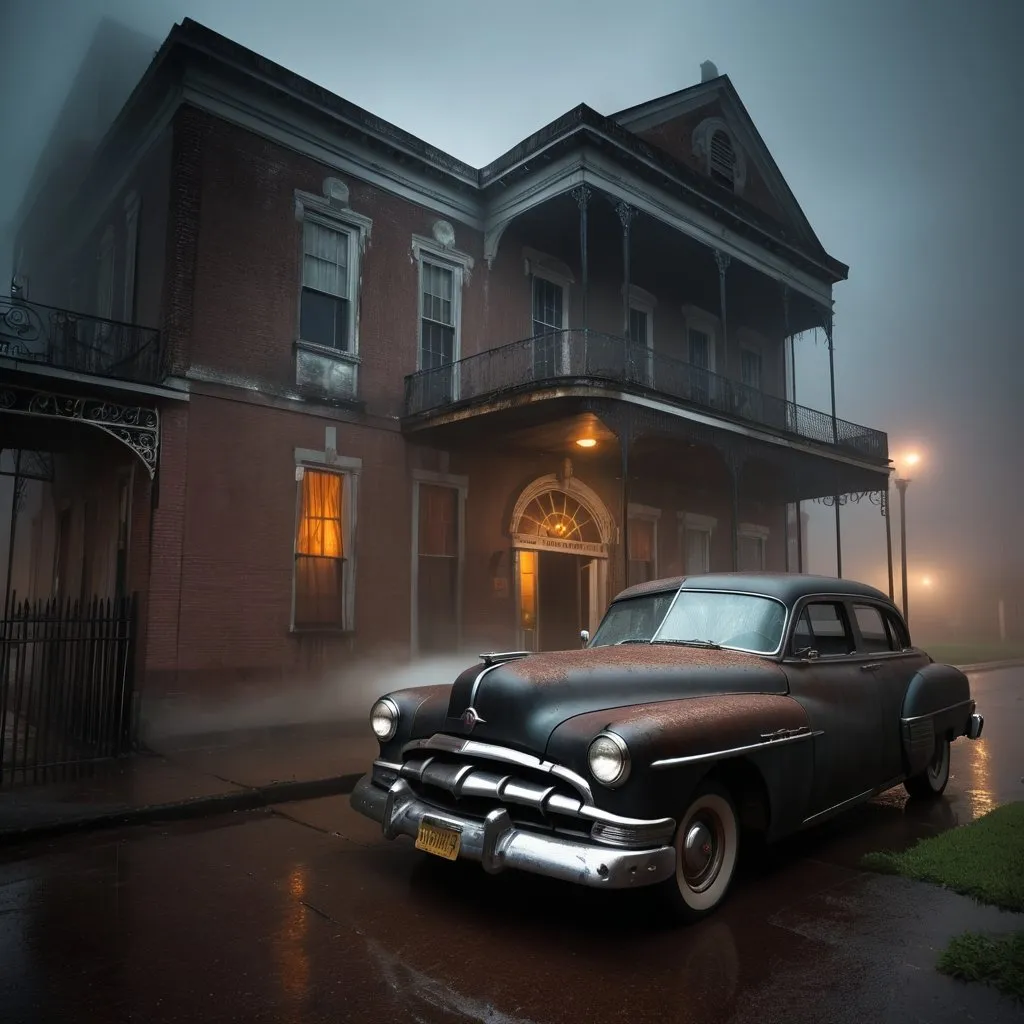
560	602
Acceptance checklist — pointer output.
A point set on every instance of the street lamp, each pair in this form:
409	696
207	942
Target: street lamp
909	461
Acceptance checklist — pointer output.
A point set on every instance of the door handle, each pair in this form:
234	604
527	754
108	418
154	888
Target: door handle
872	666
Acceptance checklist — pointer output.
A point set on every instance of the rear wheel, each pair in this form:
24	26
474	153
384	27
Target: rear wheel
706	844
930	783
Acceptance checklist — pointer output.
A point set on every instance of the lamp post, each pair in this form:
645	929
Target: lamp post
901	484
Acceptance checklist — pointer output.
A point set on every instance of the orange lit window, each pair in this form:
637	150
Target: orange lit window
528	589
320	552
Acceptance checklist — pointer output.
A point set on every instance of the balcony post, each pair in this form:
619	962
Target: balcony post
723	259
624	442
827	325
791	423
735	466
582	194
626	214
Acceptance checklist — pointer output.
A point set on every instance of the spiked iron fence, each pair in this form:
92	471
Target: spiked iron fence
66	685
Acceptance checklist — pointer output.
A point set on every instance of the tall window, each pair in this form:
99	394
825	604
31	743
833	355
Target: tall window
438	568
437	315
699	351
753	544
750	368
697	550
320	551
548	313
642	550
638	326
326	313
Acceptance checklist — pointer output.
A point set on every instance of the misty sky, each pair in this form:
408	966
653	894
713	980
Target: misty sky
897	124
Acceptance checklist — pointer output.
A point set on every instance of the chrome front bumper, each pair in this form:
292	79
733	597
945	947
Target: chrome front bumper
974	726
498	844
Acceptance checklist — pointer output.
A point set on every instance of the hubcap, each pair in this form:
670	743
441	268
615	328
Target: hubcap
702	851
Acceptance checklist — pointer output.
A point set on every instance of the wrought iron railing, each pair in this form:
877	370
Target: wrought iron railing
574	355
33	333
66	685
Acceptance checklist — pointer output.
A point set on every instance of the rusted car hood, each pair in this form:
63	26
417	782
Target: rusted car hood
520	703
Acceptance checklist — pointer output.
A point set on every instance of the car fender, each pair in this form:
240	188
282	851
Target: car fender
937	704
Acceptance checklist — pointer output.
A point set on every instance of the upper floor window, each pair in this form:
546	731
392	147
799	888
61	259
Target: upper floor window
328	311
437	315
639	326
750	368
753	547
548	306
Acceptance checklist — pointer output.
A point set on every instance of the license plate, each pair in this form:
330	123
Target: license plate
438	840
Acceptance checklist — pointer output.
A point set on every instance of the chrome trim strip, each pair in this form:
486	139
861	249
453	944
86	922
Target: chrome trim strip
500	657
859	798
389	765
669	762
941	711
498	844
506	755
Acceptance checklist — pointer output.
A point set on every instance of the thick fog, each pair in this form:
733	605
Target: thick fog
897	126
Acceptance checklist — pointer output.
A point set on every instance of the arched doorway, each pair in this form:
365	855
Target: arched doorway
561	531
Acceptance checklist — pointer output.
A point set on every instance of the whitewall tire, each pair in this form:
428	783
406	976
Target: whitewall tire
933	780
706	844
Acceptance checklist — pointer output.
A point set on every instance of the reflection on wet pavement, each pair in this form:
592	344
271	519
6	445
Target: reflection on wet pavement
305	916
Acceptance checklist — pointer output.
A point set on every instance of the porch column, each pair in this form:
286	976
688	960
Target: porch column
827	325
723	259
884	502
791	416
624	442
582	194
626	214
734	488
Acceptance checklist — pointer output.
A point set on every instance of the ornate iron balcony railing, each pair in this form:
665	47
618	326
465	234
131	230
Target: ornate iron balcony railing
33	333
588	356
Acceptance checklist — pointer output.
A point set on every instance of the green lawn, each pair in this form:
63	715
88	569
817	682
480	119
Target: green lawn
973	653
983	860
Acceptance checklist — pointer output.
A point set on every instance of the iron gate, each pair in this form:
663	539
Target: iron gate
66	685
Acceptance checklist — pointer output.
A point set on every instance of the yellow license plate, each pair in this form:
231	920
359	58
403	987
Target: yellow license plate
438	840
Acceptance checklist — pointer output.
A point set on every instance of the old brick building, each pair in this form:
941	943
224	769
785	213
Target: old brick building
384	402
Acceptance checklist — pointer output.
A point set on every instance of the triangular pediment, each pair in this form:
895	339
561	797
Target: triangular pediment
683	125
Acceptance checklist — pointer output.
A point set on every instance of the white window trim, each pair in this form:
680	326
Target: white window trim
754	531
651	515
427	250
349	469
701	320
460	484
695	523
551	268
332	214
131	249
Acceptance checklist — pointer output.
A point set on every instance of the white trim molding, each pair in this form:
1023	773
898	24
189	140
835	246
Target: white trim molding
696	521
640	298
575	488
335	212
753	530
551	268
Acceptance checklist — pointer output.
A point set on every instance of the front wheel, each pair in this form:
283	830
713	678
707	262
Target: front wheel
706	844
930	783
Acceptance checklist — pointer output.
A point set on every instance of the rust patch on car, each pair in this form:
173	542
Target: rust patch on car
557	666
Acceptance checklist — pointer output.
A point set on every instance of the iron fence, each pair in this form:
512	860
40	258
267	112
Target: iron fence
66	684
564	356
33	333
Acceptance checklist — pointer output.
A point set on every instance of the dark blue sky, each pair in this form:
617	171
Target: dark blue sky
896	122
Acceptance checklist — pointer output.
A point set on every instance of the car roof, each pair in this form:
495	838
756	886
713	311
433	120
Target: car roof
787	587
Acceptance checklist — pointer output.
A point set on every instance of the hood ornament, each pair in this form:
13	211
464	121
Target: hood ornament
470	718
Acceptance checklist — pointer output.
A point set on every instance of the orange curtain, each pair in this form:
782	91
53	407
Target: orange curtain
319	531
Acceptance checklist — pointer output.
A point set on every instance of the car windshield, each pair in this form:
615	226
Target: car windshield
745	622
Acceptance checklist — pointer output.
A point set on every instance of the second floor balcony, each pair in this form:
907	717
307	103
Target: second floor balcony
33	335
586	357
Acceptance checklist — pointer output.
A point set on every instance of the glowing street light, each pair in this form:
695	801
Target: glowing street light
908	460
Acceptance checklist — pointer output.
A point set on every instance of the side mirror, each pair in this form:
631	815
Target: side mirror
584	637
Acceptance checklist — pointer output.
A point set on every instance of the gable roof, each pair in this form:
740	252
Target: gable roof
666	108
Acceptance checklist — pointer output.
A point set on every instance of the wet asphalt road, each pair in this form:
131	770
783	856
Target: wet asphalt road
307	915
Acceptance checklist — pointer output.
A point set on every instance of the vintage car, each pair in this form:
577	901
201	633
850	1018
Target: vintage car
704	708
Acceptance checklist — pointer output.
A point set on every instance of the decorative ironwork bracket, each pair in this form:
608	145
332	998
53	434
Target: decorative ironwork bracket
879	498
136	427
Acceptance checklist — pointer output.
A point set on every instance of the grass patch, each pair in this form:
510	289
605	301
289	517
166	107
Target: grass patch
974	653
993	960
981	859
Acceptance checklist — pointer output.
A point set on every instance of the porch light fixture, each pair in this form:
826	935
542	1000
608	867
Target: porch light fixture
586	442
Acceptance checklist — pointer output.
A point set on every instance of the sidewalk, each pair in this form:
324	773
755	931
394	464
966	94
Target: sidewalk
193	777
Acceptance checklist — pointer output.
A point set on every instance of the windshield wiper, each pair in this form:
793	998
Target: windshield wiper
632	640
689	643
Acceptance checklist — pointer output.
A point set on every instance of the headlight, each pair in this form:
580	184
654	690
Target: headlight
384	719
608	758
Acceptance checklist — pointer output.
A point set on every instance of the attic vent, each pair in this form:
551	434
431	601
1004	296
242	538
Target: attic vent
723	159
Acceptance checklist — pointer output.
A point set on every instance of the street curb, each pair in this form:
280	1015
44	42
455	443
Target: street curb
991	666
245	799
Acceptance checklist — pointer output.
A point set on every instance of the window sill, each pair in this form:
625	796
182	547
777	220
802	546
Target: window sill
326	350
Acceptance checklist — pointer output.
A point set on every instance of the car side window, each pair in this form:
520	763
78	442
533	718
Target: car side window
874	633
898	632
822	626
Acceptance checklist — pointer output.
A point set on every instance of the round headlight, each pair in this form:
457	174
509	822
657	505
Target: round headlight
384	719
608	758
